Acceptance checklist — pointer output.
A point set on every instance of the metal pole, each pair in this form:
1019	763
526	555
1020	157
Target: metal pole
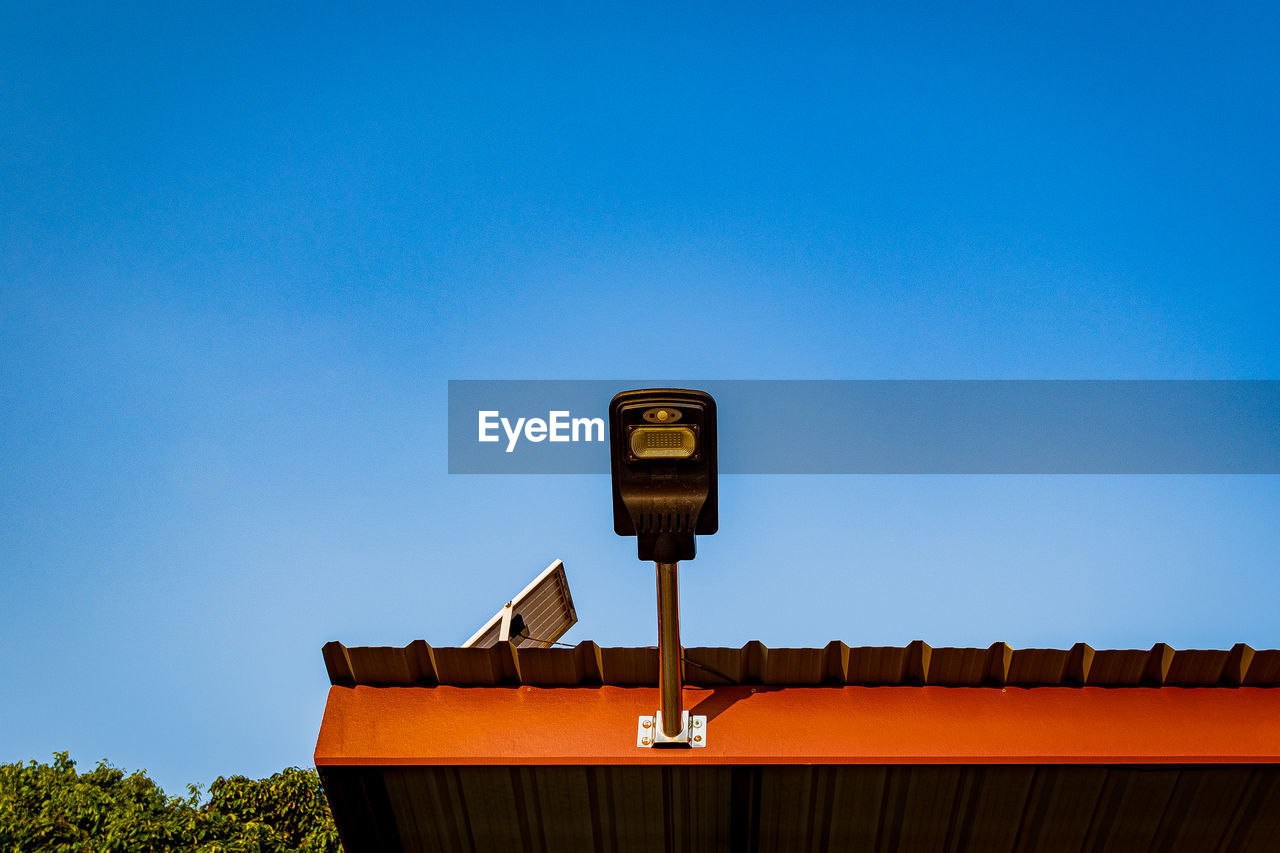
670	672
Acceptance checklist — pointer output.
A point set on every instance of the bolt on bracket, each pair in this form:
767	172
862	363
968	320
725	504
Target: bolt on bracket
693	732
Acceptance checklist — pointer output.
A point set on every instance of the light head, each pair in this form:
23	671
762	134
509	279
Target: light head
662	448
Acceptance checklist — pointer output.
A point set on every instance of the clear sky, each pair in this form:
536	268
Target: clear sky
242	250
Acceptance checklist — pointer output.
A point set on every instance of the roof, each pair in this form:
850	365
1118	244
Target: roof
917	663
833	748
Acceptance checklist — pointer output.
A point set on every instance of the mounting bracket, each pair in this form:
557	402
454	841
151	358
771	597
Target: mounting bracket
693	732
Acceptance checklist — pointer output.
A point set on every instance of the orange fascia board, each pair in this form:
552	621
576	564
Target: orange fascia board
521	725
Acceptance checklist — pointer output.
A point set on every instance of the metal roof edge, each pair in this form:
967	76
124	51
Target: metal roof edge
836	664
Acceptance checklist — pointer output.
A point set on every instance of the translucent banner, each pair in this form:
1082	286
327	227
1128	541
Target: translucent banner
890	426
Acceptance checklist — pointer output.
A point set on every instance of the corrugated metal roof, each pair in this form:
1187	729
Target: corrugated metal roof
696	804
836	664
807	808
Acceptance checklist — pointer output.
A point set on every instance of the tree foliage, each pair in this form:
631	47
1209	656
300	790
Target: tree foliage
52	807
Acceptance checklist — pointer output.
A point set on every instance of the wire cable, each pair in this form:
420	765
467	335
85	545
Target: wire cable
717	673
524	635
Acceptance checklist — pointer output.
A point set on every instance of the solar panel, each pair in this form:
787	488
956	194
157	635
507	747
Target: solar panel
537	617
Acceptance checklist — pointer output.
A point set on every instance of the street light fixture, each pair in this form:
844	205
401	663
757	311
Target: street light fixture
662	446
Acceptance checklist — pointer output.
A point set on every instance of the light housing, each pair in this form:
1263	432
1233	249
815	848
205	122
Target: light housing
663	462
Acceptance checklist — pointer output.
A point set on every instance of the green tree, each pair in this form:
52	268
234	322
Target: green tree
52	807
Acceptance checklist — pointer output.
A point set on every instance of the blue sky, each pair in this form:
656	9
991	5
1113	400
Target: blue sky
242	250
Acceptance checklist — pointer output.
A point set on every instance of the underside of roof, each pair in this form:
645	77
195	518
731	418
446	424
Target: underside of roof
795	809
587	664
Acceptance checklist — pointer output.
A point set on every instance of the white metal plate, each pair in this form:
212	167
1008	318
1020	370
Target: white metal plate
649	732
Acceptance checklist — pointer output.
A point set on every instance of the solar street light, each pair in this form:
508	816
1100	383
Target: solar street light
662	448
